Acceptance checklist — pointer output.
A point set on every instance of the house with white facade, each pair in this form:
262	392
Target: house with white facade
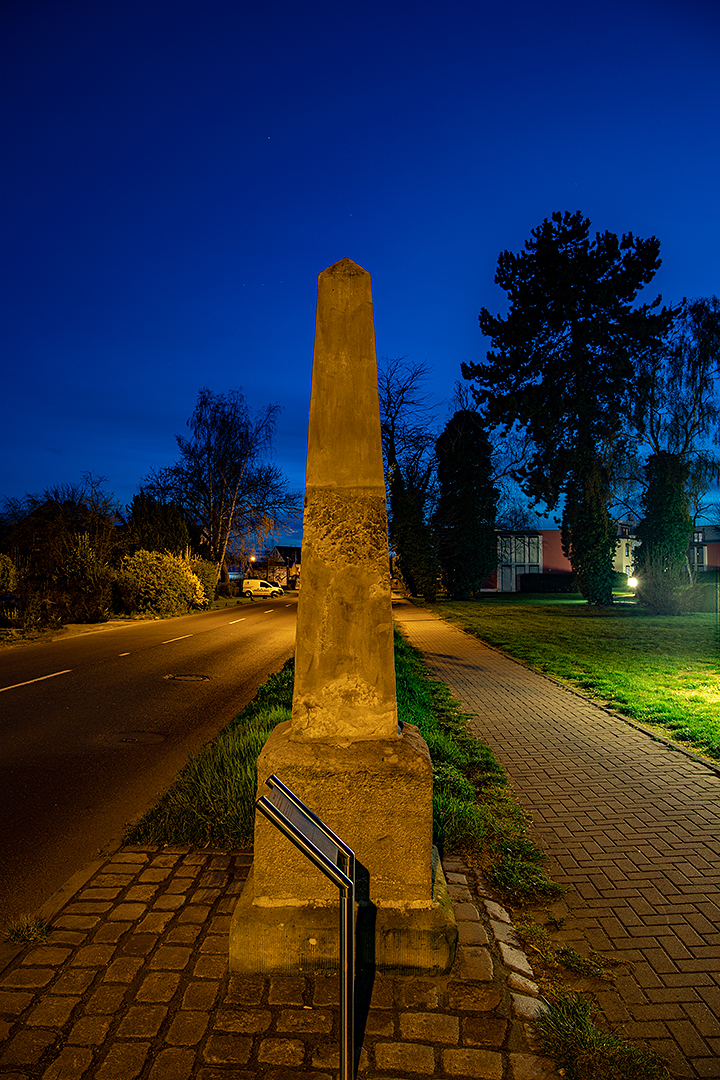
539	551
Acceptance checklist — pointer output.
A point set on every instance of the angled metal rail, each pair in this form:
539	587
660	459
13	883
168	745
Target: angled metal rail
337	862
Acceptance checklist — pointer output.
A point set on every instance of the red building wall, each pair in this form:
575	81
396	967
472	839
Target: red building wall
554	559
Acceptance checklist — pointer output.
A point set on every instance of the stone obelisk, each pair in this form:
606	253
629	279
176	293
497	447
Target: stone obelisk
343	751
344	666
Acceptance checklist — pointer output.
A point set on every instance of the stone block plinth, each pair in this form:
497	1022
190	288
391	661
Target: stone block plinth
374	794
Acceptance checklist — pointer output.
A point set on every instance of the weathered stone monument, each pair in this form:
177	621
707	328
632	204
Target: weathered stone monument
343	752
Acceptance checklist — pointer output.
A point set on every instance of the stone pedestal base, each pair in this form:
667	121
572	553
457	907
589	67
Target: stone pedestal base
303	938
376	796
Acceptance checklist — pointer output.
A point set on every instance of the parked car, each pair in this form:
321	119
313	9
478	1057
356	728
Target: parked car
257	587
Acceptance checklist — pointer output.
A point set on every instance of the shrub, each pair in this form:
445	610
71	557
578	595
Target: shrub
151	583
8	574
206	572
707	591
198	597
83	584
548	583
9	602
663	590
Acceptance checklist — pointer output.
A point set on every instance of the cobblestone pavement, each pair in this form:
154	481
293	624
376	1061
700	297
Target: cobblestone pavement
133	983
631	824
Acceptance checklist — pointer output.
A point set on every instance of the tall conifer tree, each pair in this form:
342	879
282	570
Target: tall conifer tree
464	518
565	365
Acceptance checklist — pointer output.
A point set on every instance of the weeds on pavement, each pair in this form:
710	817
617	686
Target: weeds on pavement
569	1031
538	941
583	1051
27	930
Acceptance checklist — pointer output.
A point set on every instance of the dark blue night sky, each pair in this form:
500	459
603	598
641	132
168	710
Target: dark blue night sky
175	175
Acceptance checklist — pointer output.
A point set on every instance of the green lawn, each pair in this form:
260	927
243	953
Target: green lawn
658	670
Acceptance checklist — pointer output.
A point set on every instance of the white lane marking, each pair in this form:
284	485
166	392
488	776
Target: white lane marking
237	620
124	654
40	679
170	640
269	611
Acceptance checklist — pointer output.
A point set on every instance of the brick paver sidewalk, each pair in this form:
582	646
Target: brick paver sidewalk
133	984
632	825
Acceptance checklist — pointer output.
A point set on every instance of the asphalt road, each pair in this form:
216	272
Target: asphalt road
94	727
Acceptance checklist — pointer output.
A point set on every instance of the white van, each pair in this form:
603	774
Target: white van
257	587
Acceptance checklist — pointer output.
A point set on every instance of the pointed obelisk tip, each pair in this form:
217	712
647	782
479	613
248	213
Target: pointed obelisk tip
345	267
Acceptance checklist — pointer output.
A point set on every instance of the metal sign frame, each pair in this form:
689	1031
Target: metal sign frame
337	862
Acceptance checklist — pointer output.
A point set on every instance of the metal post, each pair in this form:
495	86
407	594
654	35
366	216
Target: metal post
347	974
337	861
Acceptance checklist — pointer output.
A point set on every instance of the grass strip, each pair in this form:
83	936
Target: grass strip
661	671
211	801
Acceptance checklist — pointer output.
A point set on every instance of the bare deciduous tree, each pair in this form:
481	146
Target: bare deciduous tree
223	480
408	424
